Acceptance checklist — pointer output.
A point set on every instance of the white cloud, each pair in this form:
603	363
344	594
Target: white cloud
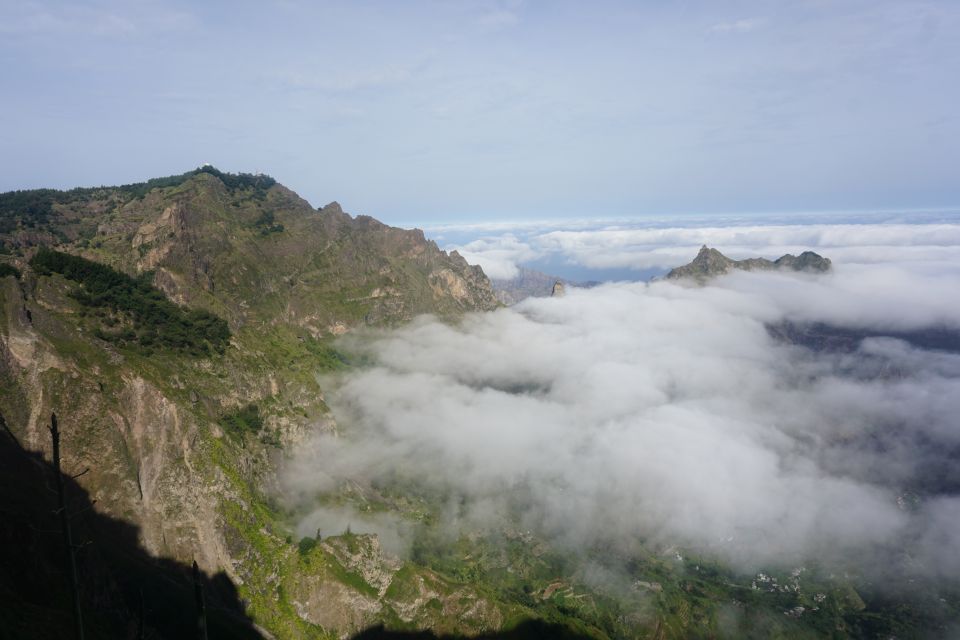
879	296
667	412
643	245
498	256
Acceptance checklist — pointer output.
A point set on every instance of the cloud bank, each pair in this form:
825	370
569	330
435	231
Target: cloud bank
498	257
668	414
642	245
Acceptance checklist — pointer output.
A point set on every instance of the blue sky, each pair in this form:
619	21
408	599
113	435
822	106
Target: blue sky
478	110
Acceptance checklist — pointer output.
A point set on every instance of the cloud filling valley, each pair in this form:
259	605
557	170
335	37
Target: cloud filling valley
668	414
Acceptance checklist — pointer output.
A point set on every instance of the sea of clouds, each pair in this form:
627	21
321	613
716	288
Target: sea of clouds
643	244
668	413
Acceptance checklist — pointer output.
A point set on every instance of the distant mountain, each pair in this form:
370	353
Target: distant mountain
817	336
530	283
710	263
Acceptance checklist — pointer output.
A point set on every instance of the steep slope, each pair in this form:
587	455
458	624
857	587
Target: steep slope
181	443
710	263
123	588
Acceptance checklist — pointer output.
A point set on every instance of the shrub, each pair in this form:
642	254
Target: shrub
266	224
244	420
306	545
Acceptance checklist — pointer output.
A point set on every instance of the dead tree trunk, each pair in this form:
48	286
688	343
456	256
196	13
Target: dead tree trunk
65	529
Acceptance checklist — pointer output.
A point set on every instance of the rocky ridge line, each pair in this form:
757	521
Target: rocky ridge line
710	263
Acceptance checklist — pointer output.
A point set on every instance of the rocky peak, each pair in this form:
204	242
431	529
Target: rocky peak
333	207
806	261
710	263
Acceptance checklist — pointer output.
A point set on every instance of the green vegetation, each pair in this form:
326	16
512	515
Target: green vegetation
306	545
326	356
614	592
246	419
33	208
29	208
233	181
143	314
9	270
267	225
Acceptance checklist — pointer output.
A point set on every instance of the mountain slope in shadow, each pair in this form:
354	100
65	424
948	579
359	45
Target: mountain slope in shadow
529	630
124	591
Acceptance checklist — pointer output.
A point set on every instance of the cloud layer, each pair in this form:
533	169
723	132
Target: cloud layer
640	245
668	414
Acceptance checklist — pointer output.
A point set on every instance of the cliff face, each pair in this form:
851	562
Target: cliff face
158	428
710	263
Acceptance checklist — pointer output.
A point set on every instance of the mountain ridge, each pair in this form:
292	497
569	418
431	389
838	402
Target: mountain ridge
325	270
710	263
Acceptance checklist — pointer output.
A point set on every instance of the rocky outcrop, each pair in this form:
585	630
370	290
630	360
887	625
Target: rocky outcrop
710	263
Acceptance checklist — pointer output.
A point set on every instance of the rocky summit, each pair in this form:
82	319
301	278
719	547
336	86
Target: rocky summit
710	263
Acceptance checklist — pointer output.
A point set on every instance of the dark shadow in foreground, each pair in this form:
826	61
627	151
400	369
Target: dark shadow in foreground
529	630
124	592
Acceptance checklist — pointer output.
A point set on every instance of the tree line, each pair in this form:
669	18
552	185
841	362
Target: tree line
33	208
146	317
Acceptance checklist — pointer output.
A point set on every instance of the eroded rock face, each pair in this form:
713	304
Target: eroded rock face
334	605
137	444
382	586
363	555
154	240
710	263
